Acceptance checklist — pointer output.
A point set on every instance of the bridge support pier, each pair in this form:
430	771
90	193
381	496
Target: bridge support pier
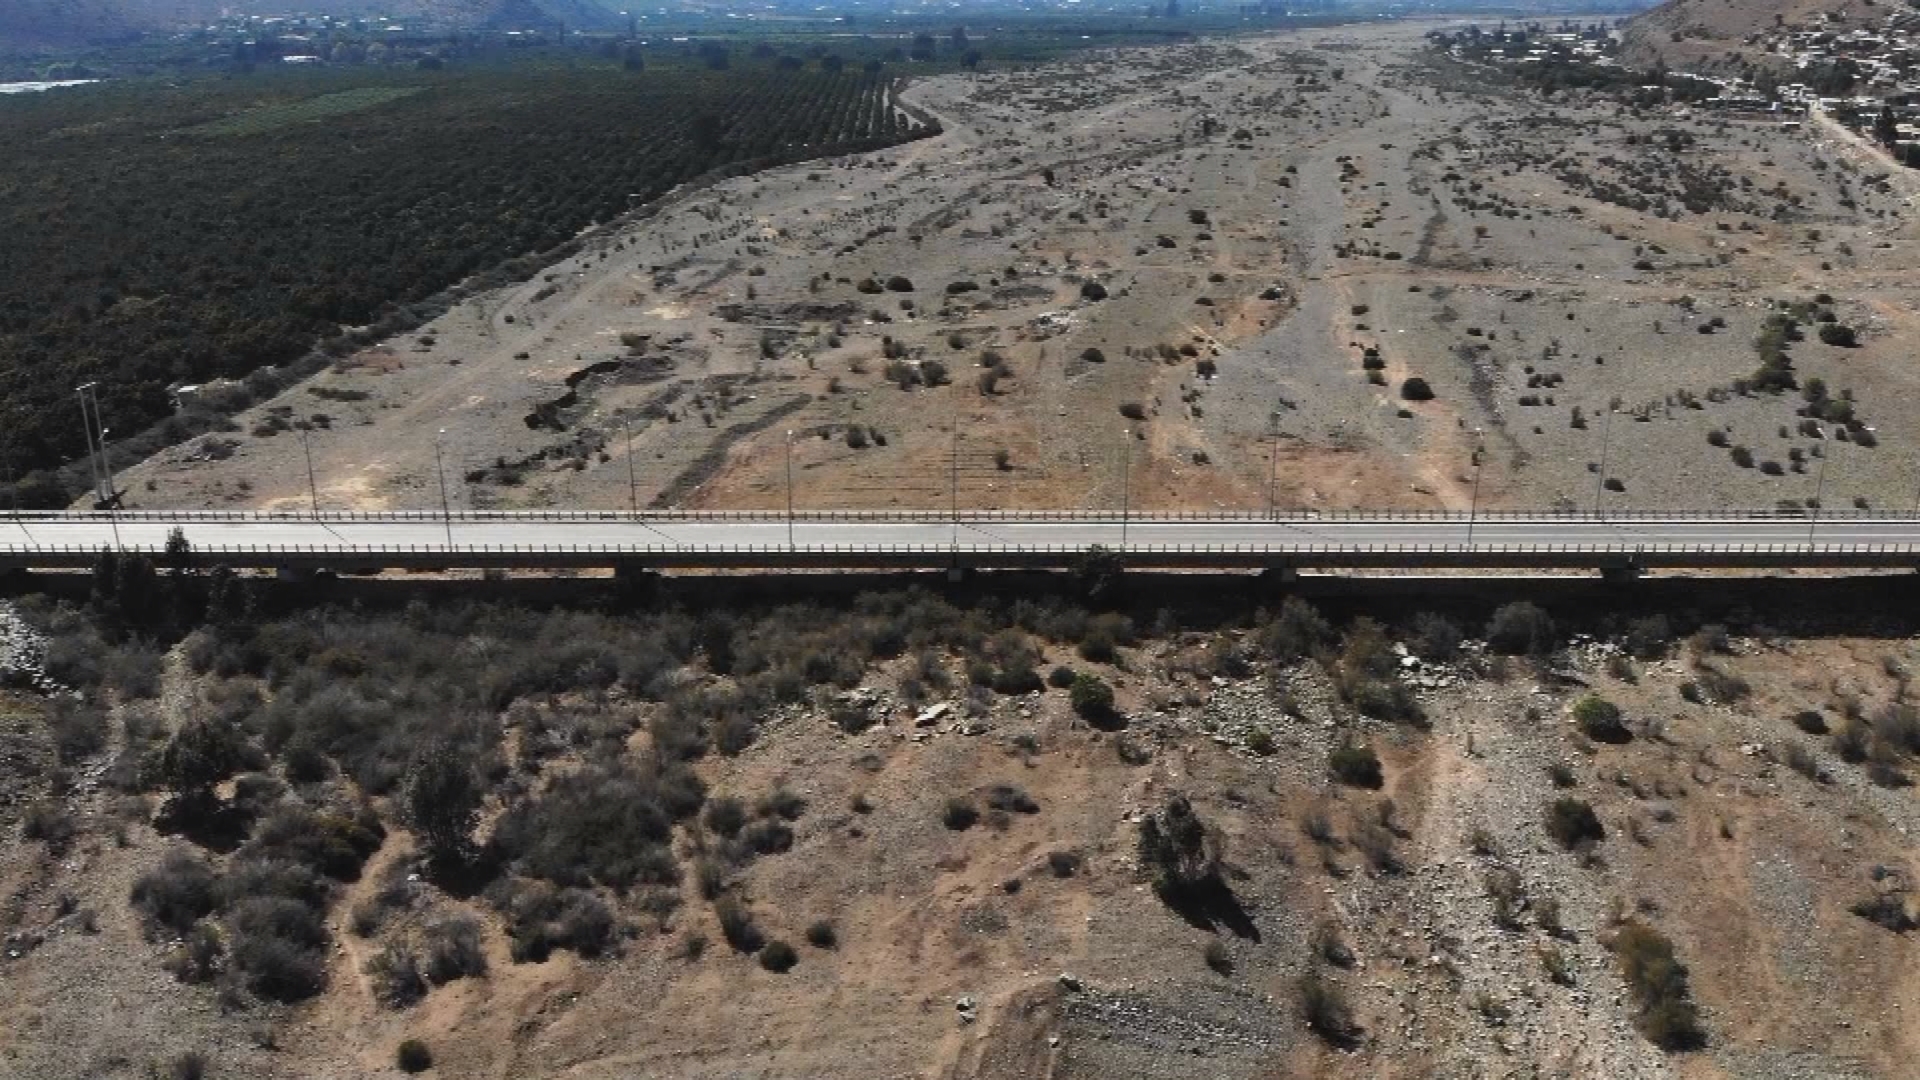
957	574
1621	574
293	575
1279	575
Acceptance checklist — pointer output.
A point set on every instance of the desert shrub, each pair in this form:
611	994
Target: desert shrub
1009	799
1133	410
1885	775
778	957
541	918
79	729
1718	685
899	284
413	1056
1601	720
332	845
1521	629
199	957
959	813
1093	291
737	925
1180	852
187	1065
1436	638
1296	632
1063	864
1852	742
50	824
611	825
277	944
1374	841
725	815
765	837
781	803
1573	823
1061	677
1355	764
1216	955
852	719
1261	741
1658	982
1810	722
822	935
175	894
1889	910
394	975
454	949
1801	760
1324	1006
1650	638
1560	774
1416	389
1091	696
1839	334
1508	895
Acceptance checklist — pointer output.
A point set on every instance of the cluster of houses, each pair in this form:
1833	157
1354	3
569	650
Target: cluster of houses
1867	78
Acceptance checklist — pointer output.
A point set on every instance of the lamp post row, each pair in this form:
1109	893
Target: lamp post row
100	468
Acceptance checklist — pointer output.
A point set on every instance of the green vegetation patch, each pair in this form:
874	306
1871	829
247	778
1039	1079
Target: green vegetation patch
267	118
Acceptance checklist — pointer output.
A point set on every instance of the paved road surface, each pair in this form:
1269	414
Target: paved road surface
1372	540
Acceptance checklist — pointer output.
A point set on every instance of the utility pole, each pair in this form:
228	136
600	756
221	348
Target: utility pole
1126	489
440	470
790	490
313	487
953	472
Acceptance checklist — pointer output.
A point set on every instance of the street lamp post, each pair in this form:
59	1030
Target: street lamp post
313	486
1819	487
1473	507
1126	489
1606	442
633	477
790	490
440	471
953	476
1273	474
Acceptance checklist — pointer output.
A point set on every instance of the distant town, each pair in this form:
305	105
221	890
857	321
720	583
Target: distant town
1865	79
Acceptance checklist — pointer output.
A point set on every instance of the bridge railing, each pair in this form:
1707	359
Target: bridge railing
855	516
209	553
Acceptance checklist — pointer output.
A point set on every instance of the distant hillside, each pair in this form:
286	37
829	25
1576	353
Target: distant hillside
28	23
1713	35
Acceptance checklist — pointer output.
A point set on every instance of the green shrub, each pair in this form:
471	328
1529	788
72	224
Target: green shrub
1091	696
737	925
1356	764
1324	1006
959	814
822	935
778	957
1521	629
1436	638
725	816
1217	957
454	949
1296	632
1061	677
413	1056
1601	720
1650	638
174	895
395	978
1658	982
1181	853
1573	823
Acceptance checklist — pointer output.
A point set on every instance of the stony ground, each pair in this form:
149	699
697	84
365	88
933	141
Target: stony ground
963	954
1259	213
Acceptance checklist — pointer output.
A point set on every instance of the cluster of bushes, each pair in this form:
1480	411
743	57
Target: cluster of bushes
1664	1011
259	925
